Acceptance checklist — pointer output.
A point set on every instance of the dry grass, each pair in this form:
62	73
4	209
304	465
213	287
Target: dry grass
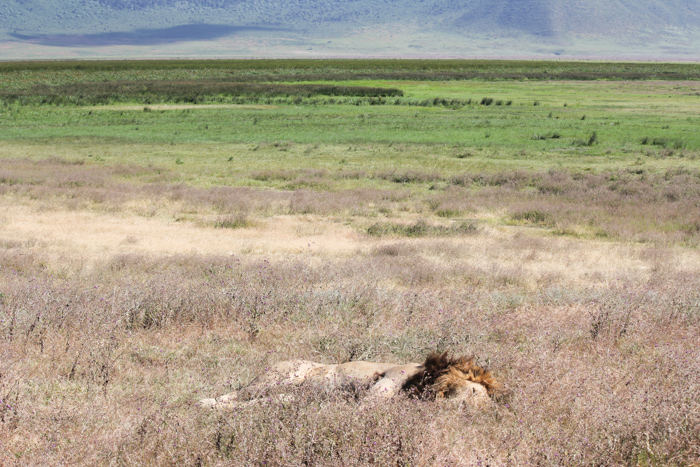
73	243
640	205
122	304
107	368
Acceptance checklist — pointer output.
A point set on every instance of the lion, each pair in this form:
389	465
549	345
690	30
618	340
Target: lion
440	377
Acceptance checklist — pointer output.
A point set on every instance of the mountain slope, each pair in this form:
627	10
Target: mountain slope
630	25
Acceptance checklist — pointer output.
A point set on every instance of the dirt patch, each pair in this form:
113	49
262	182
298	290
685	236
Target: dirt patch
97	237
91	238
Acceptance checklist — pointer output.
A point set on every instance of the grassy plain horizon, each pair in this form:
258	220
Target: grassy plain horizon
158	247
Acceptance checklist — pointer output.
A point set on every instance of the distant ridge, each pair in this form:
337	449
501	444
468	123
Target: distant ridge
585	28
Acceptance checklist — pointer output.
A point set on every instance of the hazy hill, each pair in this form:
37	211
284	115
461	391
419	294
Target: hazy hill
398	27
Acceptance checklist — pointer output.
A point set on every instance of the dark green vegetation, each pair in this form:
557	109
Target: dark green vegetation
195	92
355	69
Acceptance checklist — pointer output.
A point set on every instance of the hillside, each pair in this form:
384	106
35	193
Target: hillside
355	27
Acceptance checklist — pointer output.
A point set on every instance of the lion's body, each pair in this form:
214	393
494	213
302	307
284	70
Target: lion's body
439	377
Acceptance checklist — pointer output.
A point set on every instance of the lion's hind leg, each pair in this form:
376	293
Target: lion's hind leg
231	401
272	380
279	375
222	402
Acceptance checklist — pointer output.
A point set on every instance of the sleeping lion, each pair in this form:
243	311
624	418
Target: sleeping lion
441	376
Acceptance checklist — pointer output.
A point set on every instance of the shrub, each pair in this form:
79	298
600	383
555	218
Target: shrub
421	228
233	222
532	216
592	139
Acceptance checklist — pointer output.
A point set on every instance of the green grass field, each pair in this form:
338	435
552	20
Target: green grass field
544	125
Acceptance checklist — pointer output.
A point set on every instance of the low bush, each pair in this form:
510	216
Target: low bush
421	229
532	216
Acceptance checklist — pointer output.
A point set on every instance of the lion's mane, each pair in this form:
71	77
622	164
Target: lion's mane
442	374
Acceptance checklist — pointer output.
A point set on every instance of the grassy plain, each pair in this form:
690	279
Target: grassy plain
154	251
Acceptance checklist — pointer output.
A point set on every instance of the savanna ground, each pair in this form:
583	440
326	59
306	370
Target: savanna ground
169	229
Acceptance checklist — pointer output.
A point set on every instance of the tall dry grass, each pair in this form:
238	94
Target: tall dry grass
106	367
105	364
